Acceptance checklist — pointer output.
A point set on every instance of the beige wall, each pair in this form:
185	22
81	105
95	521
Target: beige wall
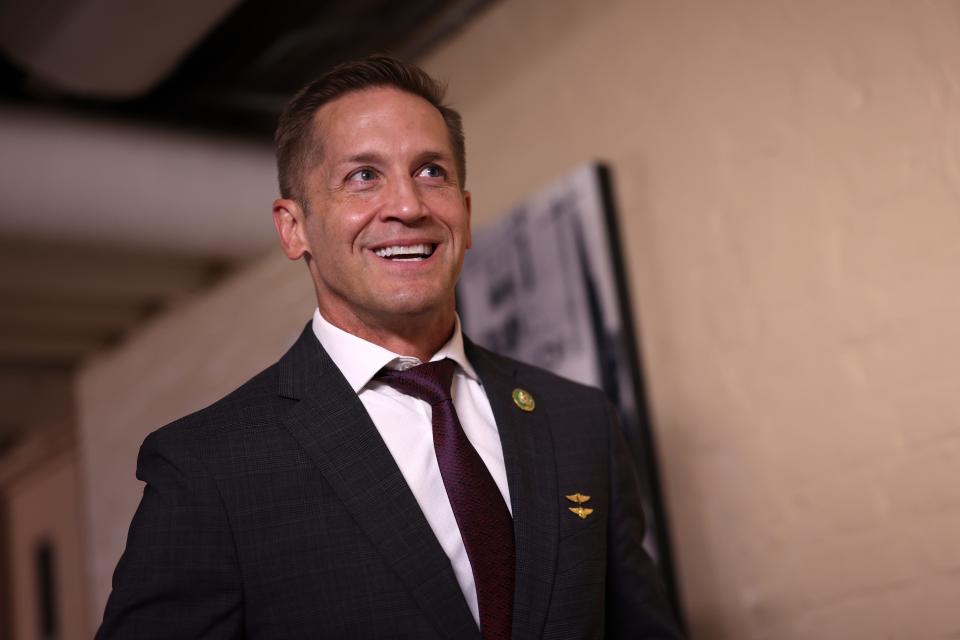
788	178
39	487
177	365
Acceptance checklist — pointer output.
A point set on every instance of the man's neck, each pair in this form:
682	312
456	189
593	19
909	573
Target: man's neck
416	336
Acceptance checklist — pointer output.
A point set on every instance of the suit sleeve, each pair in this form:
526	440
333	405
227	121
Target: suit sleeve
179	576
637	606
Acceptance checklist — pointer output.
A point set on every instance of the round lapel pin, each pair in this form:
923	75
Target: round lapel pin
523	400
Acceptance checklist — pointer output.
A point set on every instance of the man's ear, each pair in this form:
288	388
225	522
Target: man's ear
288	218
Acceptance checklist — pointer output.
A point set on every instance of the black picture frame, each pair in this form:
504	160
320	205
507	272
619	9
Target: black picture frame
546	284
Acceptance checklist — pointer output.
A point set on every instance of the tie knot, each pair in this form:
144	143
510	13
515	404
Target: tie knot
429	381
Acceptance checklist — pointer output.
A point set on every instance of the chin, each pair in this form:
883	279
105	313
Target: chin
399	303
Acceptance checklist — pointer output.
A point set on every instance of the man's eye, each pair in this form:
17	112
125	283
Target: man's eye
362	175
432	171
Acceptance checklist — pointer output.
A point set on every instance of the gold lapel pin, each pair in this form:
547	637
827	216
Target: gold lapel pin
583	512
523	400
579	499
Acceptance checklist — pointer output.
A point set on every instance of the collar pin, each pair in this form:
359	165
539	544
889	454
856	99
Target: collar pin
523	400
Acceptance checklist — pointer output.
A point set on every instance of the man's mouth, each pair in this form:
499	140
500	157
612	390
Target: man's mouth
406	252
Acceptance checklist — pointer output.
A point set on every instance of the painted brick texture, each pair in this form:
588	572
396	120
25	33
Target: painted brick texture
788	190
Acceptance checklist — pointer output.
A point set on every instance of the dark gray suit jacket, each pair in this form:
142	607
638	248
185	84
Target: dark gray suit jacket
278	512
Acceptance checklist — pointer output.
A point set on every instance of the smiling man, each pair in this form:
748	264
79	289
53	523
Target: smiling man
386	478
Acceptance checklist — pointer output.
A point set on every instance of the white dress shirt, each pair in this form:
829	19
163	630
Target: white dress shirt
404	423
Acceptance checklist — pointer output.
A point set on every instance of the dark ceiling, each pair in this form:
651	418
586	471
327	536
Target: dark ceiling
237	78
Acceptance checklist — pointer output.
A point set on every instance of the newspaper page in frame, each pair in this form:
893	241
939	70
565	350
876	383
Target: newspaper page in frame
543	284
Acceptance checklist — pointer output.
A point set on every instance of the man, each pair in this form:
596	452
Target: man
350	491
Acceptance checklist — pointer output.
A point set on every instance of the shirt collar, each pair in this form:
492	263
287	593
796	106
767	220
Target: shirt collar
360	360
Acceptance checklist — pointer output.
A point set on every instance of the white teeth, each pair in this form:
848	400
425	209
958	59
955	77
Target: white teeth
416	250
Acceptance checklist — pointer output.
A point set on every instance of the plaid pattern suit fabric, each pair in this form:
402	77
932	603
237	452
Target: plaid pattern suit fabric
278	512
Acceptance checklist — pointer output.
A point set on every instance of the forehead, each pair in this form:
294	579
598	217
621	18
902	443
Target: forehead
383	117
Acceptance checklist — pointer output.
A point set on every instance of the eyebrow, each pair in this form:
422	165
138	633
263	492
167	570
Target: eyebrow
371	157
430	156
361	158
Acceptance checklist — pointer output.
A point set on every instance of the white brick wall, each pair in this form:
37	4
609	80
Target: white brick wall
789	187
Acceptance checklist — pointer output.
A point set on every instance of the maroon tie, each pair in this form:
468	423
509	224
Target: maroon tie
485	523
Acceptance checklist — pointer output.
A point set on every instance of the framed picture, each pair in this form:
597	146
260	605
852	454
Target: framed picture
545	284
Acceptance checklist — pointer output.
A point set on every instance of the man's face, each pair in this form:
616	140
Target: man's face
386	223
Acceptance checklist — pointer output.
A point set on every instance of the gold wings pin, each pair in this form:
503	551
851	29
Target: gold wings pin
579	499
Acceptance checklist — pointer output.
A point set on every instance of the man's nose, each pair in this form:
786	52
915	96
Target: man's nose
405	202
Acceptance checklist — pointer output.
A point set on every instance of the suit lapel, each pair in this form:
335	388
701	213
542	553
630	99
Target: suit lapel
331	424
532	478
